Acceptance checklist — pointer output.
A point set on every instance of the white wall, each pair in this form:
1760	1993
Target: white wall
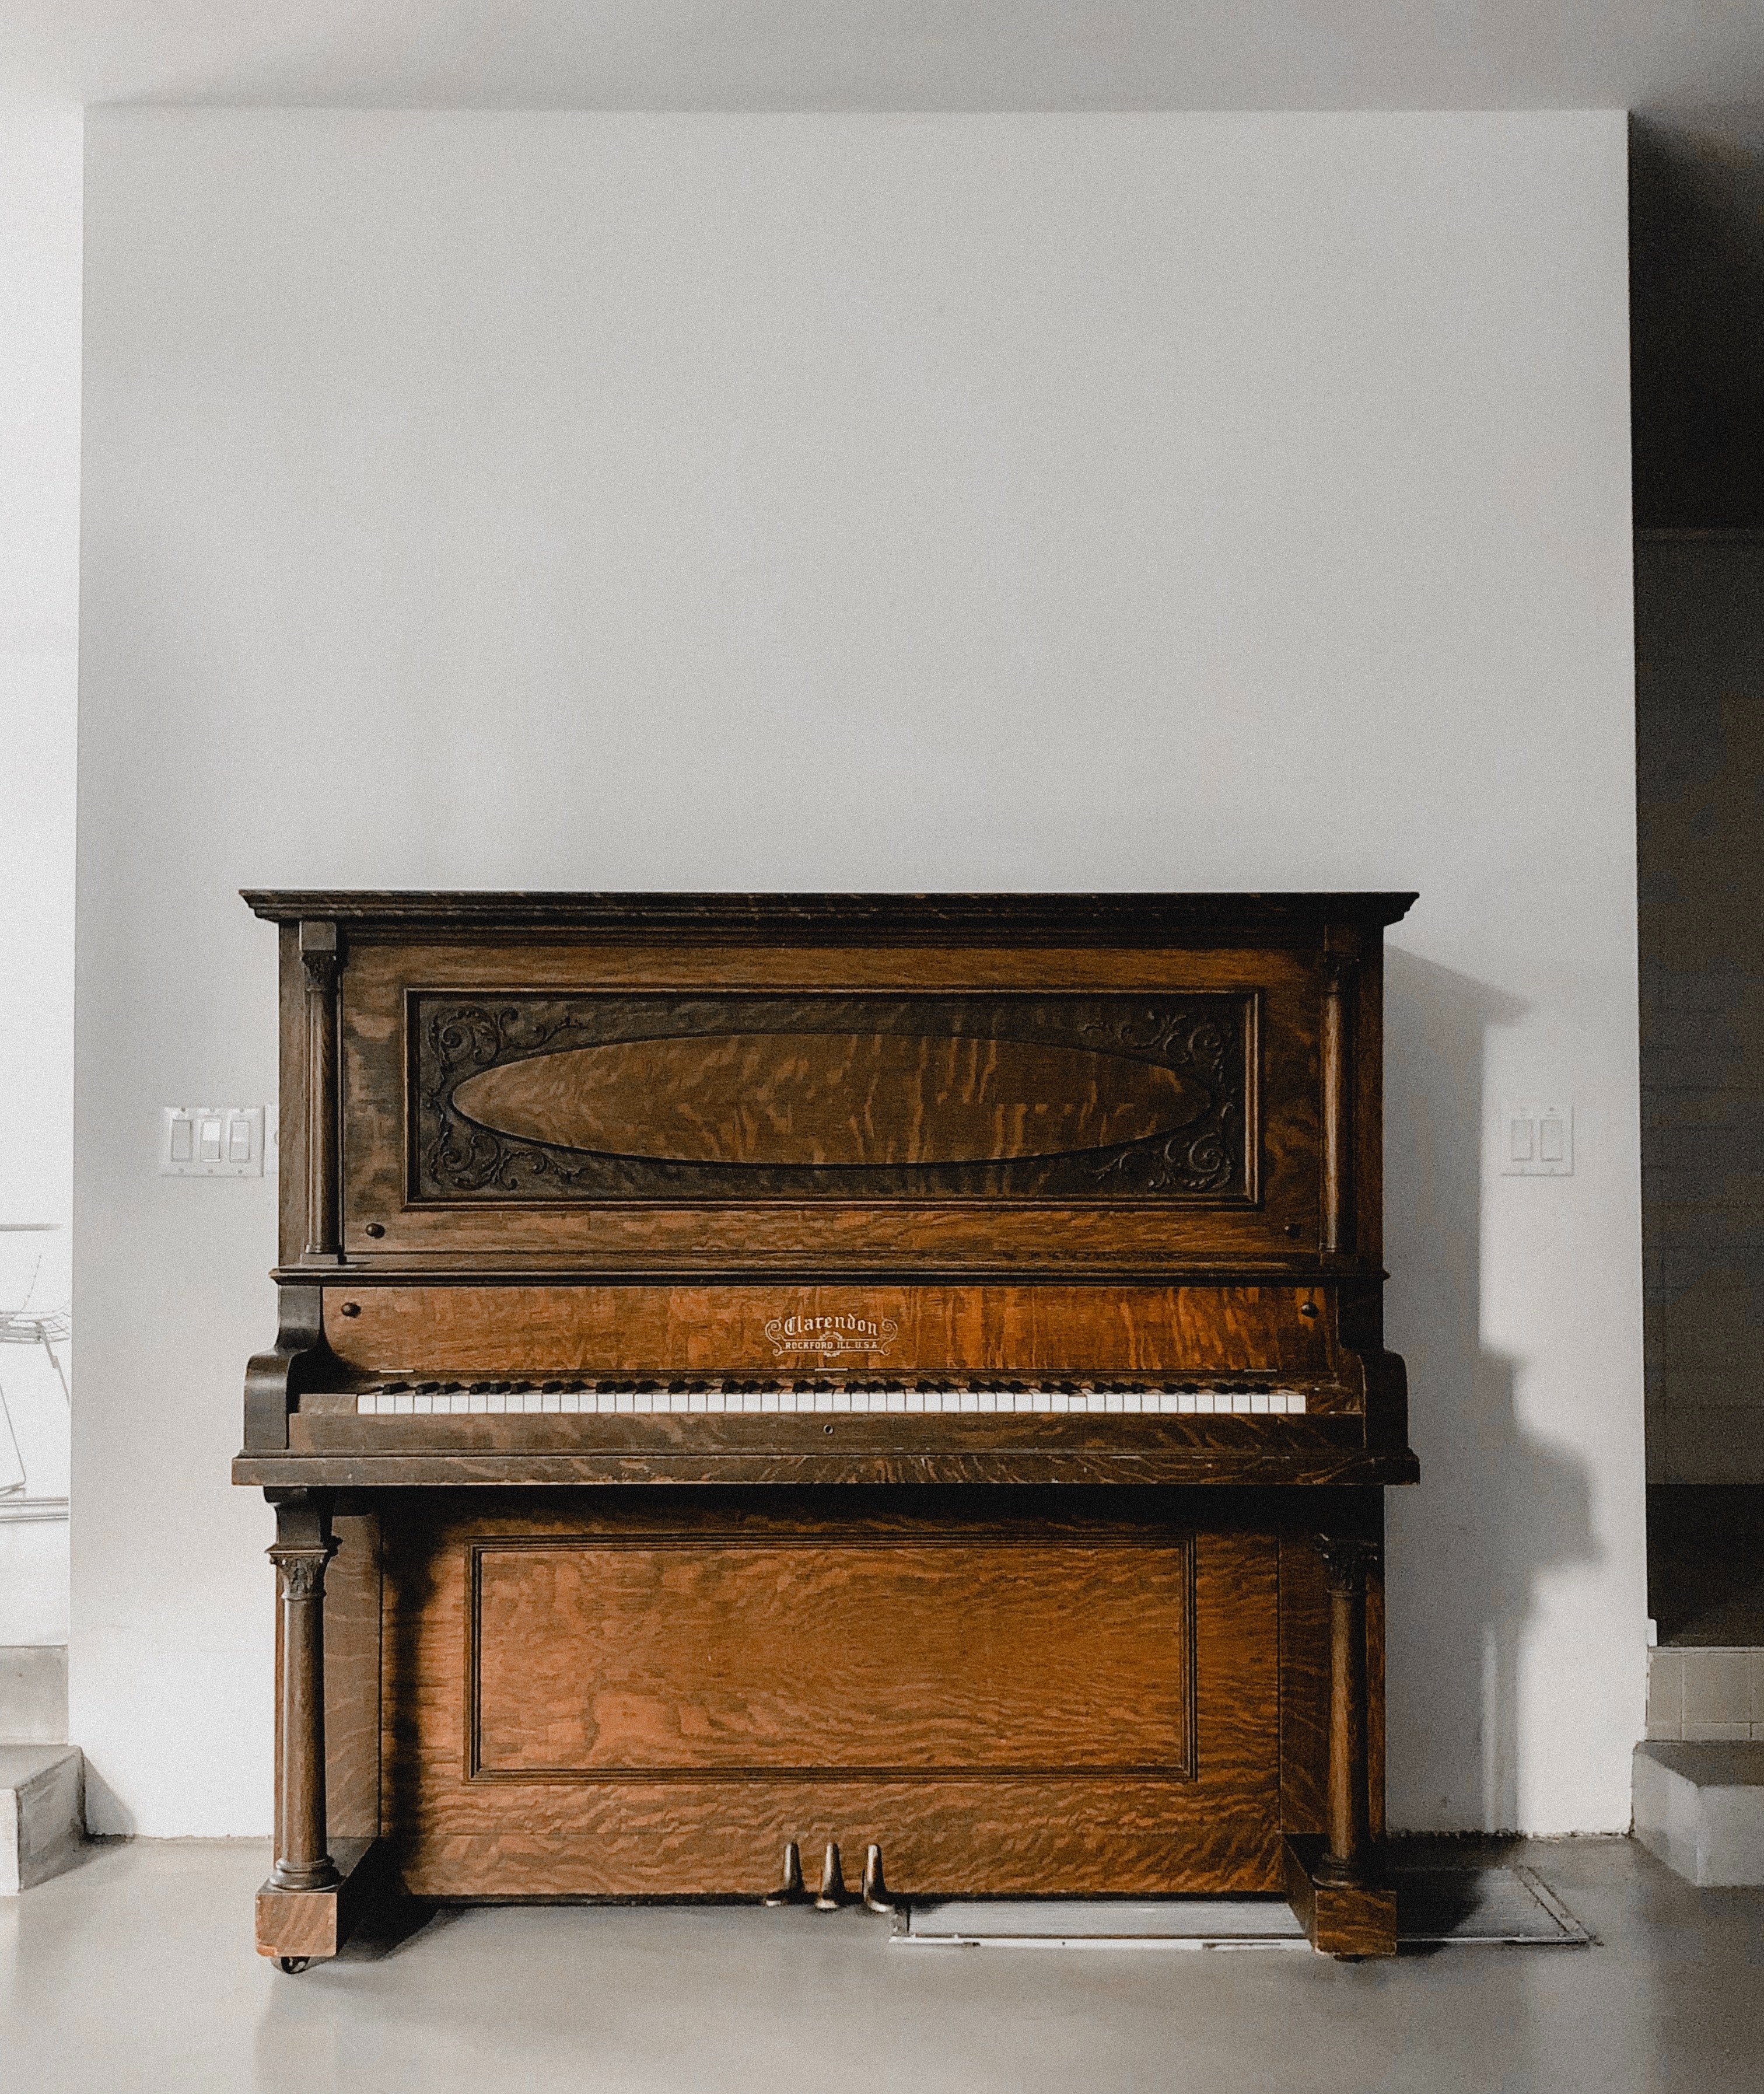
39	175
1113	503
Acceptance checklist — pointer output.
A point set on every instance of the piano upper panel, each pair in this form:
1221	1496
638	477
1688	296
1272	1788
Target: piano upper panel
848	1106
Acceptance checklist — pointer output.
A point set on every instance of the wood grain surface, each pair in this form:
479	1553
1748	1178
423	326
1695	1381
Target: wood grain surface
715	1826
352	1670
1179	1463
801	1099
466	1330
592	1657
1265	1201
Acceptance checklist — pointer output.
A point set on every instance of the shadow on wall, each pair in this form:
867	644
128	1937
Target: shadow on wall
1496	1507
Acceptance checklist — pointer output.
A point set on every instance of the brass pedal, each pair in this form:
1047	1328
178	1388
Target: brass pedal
790	1891
877	1897
832	1893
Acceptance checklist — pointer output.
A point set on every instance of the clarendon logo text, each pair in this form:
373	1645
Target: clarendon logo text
830	1335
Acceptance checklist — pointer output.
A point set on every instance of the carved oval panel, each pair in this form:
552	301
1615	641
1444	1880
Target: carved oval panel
831	1099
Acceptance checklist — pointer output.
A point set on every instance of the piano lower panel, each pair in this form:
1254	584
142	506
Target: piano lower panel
1083	1705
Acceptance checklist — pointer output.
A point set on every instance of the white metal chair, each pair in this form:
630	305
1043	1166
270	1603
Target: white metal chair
29	1326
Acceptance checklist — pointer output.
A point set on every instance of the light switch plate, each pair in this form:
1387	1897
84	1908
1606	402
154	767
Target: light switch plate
212	1141
1537	1139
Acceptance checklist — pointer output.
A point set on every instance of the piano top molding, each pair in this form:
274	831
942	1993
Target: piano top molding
1125	918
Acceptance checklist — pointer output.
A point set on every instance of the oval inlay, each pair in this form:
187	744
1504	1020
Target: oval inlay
831	1099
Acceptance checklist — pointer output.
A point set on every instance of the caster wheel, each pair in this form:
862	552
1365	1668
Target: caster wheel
292	1965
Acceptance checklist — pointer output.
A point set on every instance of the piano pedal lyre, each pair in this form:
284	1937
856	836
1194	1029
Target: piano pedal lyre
832	1893
790	1891
877	1897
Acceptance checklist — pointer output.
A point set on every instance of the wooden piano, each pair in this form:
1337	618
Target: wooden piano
767	1371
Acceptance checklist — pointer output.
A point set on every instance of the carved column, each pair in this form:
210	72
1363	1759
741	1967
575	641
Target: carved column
303	1546
1348	1860
1337	1055
321	957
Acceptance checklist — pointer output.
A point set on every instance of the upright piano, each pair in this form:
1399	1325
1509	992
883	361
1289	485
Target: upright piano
759	1374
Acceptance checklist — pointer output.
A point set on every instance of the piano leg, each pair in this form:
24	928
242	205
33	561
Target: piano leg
1333	1885
311	1899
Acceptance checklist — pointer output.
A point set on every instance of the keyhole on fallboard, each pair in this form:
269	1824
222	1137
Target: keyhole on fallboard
827	1428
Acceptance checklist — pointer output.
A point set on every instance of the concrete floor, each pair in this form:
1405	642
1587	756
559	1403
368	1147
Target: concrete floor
134	1973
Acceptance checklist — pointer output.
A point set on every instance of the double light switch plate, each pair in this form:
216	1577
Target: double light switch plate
1537	1139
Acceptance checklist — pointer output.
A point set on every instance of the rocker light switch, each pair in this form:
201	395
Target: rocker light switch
212	1141
1536	1140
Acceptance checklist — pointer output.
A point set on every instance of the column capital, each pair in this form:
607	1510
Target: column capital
1347	1562
301	1570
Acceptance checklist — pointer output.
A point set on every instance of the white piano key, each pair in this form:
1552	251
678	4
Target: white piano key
551	1400
1258	1400
1187	1402
1111	1401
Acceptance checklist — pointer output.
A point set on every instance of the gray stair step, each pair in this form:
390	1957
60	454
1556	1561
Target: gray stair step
42	1813
1700	1807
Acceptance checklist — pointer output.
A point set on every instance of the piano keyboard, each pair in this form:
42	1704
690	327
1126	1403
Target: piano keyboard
438	1400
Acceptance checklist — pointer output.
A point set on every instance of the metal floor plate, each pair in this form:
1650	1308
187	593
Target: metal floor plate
1435	1907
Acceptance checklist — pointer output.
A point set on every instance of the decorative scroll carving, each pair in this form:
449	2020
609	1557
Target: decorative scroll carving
1200	1044
896	1097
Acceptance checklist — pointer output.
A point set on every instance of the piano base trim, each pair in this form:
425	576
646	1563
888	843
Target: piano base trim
1339	1919
310	1927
